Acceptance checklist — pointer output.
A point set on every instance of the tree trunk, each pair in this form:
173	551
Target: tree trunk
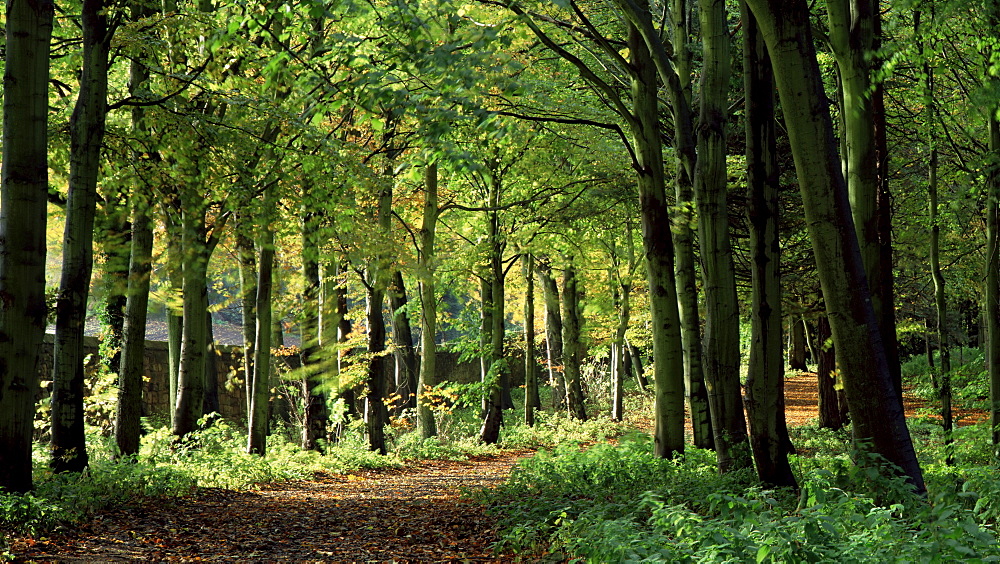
766	369
553	334
129	408
69	445
668	355
376	415
852	34
722	323
876	412
797	352
426	264
194	335
831	416
407	362
314	412
175	314
635	359
248	296
211	404
23	218
571	343
531	401
498	376
261	386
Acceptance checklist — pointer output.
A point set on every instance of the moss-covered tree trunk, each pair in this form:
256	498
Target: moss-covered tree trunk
571	342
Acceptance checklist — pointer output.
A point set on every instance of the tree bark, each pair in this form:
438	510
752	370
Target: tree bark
992	307
261	386
831	415
427	262
531	401
668	356
407	362
571	343
853	25
194	334
722	324
766	369
876	412
553	334
23	190
69	445
248	296
314	412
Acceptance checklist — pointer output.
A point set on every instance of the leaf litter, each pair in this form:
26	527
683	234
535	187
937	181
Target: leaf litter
413	514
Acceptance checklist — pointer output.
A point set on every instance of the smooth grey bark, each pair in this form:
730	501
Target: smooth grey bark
261	387
766	367
407	362
87	124
531	400
553	333
211	403
24	192
876	413
426	265
571	343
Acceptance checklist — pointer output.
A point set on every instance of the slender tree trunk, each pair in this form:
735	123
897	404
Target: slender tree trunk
485	333
69	445
194	335
553	334
766	370
876	412
248	305
498	376
426	265
175	314
261	386
376	415
407	362
830	414
114	251
722	324
23	218
696	394
992	309
635	359
571	343
668	355
129	408
531	401
314	412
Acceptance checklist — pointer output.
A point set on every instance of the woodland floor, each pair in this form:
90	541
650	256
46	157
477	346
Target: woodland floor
408	515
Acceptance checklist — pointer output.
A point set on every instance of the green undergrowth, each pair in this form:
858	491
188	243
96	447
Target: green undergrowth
619	503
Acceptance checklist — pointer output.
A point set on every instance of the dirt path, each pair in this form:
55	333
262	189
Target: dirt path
408	515
411	515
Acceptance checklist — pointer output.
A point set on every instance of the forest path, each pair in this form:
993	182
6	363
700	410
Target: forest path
412	514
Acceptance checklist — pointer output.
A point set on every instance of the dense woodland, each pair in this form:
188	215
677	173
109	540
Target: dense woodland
667	199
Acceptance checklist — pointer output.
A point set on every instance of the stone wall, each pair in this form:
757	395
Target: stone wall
229	374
